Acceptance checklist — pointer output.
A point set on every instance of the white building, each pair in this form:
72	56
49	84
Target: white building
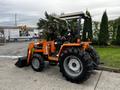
15	32
10	32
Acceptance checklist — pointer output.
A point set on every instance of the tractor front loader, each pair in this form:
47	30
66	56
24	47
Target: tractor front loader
75	60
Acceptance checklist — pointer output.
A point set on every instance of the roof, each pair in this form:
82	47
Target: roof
14	27
9	27
75	15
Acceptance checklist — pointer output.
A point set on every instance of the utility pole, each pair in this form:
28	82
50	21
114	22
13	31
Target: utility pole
15	19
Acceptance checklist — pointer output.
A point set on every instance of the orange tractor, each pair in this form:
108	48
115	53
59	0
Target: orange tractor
75	60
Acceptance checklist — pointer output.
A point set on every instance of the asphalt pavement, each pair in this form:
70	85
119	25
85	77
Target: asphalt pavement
13	78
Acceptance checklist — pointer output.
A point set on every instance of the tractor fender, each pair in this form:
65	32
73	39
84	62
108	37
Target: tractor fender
83	45
69	45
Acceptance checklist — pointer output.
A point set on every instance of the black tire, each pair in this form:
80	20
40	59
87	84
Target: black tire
79	55
95	56
38	59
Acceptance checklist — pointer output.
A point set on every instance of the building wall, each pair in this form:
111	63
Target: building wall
11	33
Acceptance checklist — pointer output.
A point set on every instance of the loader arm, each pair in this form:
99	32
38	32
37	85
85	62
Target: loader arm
30	52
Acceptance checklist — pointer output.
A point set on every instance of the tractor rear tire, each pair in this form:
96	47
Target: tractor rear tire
73	66
93	53
37	63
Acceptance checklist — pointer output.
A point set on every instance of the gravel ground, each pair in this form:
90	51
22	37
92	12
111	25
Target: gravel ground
13	78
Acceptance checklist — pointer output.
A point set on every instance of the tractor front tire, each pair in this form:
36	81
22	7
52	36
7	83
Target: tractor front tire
37	63
72	65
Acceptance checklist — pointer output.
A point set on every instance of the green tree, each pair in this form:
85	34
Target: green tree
87	28
103	36
118	36
52	26
90	33
84	31
116	22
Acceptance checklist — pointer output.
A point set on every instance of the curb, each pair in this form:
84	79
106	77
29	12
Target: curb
110	69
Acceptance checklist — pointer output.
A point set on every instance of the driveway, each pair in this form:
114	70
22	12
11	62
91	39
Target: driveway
13	78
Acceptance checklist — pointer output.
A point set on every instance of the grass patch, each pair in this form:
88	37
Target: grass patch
110	56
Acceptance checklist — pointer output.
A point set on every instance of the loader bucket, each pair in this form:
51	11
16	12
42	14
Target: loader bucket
22	61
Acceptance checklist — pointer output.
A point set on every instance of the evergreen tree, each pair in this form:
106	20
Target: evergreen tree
87	29
103	36
118	36
84	31
90	33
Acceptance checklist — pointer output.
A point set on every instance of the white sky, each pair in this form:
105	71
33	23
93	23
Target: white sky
29	11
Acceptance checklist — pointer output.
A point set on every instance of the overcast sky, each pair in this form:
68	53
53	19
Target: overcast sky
29	11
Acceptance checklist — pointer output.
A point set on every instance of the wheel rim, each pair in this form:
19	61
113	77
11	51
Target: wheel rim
35	63
73	66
